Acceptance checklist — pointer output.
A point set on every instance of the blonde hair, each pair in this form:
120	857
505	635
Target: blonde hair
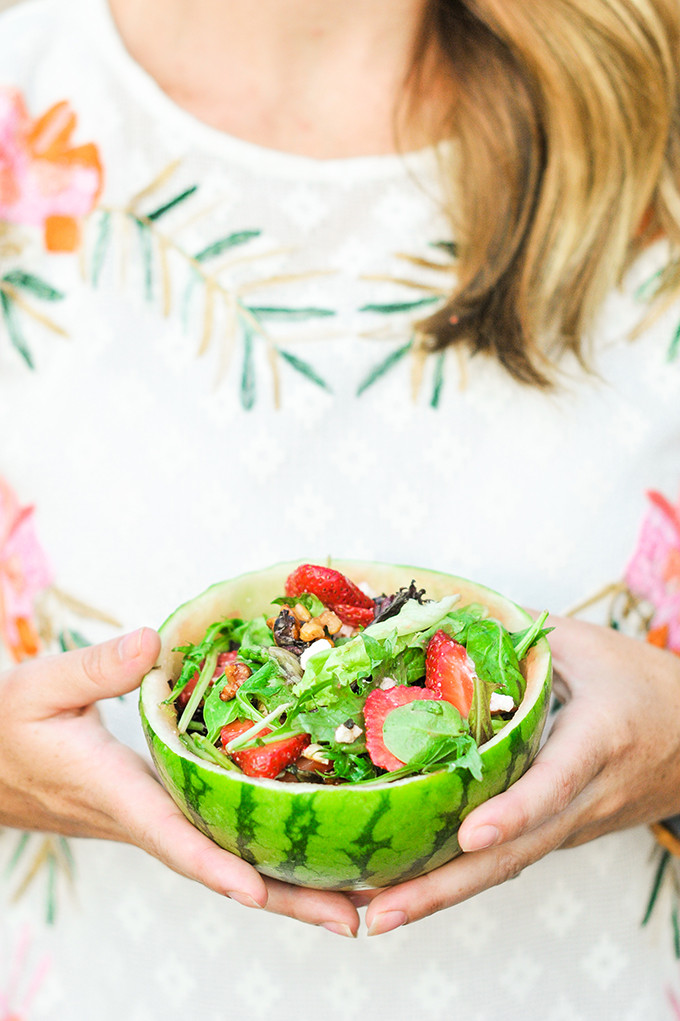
566	163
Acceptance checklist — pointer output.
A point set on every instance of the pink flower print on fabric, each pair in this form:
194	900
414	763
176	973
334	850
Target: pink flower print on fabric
17	997
24	573
44	181
654	570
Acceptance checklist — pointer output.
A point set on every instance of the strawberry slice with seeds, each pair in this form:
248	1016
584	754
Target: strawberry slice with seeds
450	672
265	760
378	705
330	586
355	616
186	692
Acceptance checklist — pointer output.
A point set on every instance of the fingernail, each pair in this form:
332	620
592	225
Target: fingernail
386	922
130	645
243	898
339	929
483	836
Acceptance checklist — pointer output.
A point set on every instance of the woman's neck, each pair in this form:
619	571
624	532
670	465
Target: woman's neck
323	78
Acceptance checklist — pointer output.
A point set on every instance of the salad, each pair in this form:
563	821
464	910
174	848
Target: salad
340	685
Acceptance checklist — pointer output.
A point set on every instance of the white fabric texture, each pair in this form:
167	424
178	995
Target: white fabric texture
154	477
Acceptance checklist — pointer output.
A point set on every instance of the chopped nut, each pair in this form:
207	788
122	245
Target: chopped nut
311	630
235	674
330	621
301	613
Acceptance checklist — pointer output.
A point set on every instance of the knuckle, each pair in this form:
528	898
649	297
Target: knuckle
509	865
93	664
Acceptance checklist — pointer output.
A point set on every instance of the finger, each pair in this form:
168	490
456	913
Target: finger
464	877
571	758
361	898
333	911
78	678
146	816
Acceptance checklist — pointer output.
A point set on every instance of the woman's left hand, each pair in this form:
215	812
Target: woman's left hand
612	760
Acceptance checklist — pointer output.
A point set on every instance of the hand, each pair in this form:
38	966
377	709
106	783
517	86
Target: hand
612	760
62	771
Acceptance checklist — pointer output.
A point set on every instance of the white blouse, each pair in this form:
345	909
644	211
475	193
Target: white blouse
232	381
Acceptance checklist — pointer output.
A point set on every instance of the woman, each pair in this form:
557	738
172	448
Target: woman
226	180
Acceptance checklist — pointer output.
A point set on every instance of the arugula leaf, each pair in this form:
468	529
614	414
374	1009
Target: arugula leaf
491	649
255	641
451	753
523	640
307	599
222	633
217	714
322	723
267	685
350	766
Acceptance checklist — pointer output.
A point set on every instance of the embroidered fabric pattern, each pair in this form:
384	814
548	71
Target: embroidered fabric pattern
35	616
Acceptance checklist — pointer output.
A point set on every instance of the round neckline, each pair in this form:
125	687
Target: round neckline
147	90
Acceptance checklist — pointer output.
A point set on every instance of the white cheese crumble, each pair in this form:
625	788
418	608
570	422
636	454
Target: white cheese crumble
387	683
315	753
345	735
501	703
317	646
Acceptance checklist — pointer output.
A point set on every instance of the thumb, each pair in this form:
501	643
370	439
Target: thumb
76	679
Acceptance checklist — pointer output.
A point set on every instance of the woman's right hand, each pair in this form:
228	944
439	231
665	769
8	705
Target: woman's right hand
61	771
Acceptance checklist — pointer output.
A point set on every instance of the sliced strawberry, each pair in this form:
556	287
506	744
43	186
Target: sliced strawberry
355	616
186	692
223	659
449	671
330	586
378	704
267	760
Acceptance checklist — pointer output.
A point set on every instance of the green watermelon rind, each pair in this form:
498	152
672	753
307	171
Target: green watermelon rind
335	837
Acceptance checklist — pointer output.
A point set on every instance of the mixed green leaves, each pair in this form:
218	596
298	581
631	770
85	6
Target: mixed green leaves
325	699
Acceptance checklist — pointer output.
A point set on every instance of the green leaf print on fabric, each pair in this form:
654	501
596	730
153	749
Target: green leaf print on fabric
304	368
14	329
18	291
248	373
647	292
379	370
100	247
167	206
216	248
213	293
35	285
37	855
389	308
434	278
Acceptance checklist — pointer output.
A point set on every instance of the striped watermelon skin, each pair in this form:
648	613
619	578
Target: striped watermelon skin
344	837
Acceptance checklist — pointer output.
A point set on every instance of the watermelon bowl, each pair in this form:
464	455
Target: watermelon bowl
344	837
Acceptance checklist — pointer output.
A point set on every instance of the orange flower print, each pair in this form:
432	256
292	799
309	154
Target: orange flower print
44	180
24	572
